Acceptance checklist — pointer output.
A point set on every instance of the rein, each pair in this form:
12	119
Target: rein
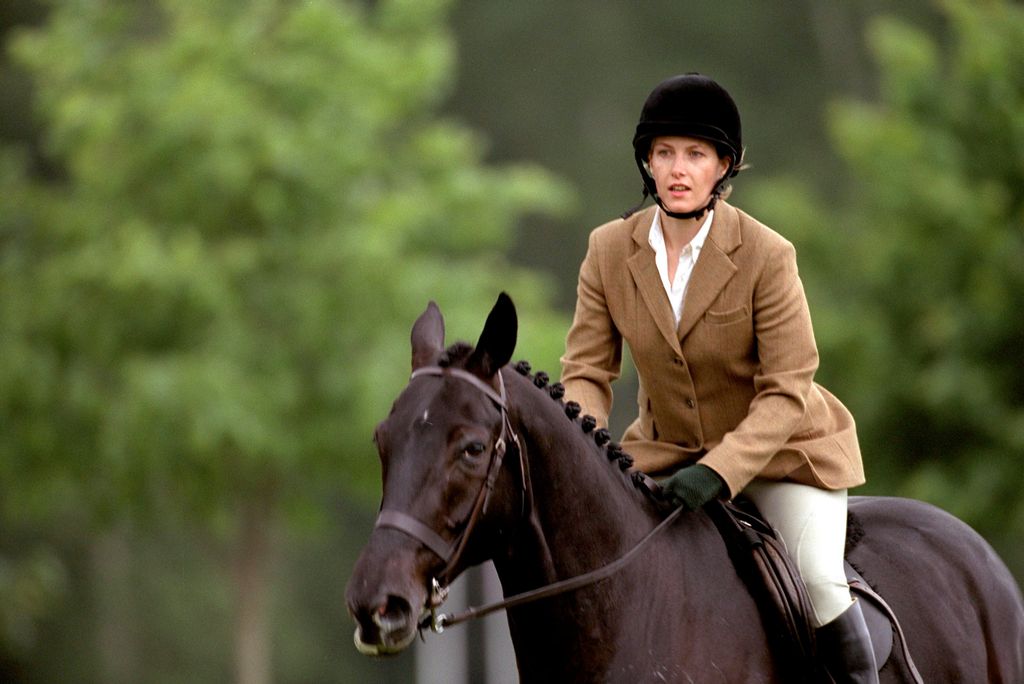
438	622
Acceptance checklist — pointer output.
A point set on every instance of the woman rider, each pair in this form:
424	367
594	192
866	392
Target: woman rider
713	310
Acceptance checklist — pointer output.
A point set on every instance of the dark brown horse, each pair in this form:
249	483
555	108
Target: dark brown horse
559	508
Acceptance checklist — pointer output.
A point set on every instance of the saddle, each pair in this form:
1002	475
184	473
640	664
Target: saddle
773	580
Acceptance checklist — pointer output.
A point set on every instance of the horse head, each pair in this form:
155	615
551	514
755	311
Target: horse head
441	449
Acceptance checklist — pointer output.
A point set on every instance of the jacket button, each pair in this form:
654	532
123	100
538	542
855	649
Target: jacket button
678	361
690	403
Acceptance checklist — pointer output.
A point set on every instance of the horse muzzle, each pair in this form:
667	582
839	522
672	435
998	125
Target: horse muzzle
386	596
385	630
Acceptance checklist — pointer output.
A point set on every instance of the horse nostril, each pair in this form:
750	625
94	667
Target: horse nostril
393	613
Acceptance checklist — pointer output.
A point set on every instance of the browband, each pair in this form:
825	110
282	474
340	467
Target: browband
497	398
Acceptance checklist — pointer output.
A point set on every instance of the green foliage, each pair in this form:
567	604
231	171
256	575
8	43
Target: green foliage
213	302
925	283
207	309
30	586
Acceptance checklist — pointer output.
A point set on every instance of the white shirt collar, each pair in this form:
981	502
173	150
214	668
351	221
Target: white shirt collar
656	236
676	289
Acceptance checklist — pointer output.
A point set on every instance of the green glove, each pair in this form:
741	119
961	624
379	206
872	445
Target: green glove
692	487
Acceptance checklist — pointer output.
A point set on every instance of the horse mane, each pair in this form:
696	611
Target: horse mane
587	423
455	355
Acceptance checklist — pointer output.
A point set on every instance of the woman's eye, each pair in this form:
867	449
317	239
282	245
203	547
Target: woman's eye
474	449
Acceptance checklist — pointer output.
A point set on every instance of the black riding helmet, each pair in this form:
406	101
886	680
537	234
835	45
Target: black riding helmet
690	105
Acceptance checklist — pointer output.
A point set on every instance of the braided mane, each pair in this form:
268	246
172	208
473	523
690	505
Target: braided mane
587	423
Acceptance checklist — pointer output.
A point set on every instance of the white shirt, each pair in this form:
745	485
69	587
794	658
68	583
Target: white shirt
676	290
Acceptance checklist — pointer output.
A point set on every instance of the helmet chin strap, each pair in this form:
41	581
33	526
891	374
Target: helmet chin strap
695	214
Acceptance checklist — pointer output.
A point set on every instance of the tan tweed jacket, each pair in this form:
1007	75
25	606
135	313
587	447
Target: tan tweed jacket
733	385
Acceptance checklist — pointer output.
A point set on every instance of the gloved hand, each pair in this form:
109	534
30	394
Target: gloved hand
692	487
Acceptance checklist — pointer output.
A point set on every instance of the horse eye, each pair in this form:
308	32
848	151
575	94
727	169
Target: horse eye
474	449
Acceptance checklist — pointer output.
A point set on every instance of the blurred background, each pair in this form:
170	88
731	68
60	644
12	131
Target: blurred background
219	220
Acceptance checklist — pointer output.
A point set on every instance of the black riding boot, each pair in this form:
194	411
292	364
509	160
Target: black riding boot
844	646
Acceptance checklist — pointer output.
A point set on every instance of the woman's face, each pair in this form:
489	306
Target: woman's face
685	171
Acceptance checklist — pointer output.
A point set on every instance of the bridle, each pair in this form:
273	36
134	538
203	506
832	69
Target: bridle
451	553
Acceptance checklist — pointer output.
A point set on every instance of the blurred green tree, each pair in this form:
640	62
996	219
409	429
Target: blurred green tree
205	314
924	269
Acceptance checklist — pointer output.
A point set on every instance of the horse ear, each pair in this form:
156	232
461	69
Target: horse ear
427	336
498	339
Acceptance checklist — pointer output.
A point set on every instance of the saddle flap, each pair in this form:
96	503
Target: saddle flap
771	577
775	583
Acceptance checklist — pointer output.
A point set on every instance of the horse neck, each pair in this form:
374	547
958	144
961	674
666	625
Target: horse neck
584	514
583	506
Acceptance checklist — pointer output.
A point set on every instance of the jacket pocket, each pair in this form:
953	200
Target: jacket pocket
647	418
726	317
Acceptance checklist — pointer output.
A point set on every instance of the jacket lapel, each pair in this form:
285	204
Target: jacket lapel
648	280
714	268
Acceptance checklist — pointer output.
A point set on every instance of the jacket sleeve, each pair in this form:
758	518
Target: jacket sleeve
788	358
593	347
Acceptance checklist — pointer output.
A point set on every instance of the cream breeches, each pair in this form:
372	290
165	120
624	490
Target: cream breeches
812	525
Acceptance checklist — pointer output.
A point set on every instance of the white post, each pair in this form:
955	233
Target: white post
443	658
500	657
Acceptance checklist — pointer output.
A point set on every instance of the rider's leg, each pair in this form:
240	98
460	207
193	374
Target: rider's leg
812	525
